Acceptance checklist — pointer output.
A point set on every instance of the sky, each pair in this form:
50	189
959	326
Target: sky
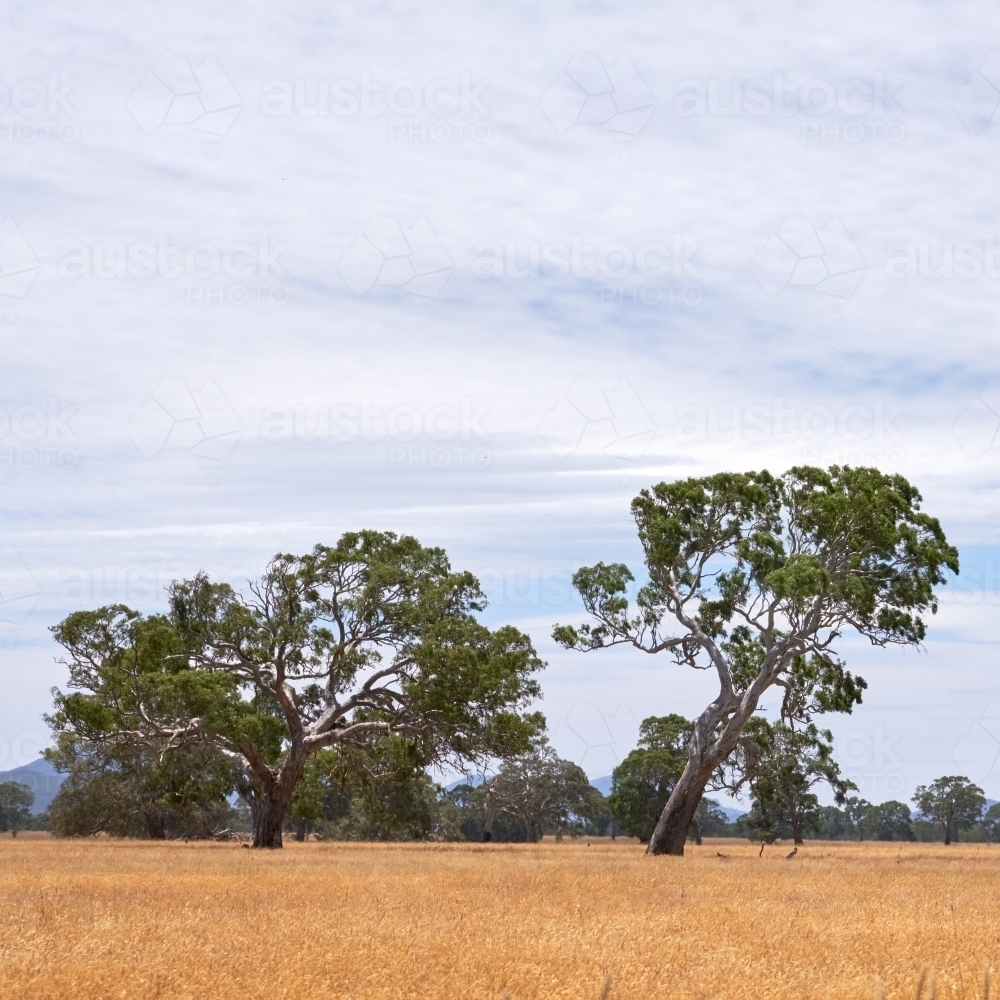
480	274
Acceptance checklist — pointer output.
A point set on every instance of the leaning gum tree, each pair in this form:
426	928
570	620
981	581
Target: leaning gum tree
756	578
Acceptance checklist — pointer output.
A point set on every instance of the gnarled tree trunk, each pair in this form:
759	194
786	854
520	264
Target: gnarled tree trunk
491	814
492	806
672	827
156	824
275	799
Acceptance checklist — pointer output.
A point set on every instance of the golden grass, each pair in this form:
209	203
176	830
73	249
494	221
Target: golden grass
108	919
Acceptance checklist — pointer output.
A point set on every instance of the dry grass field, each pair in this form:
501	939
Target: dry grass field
113	920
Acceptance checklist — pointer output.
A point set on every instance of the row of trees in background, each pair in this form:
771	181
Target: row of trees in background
532	795
360	666
779	769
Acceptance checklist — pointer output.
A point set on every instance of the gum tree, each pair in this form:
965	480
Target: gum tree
781	765
16	801
857	810
542	790
756	578
641	784
350	648
953	802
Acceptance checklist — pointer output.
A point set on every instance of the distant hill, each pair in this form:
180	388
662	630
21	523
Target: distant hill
475	781
41	777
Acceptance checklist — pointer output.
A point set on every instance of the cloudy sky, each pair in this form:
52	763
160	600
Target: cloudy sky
480	273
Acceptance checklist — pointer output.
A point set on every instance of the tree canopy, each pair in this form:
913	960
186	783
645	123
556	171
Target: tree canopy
781	765
756	578
953	802
643	781
339	648
16	801
546	792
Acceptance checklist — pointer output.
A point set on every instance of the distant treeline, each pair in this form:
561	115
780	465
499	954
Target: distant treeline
538	795
887	821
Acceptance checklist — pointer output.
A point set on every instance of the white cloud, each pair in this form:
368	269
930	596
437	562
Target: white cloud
320	182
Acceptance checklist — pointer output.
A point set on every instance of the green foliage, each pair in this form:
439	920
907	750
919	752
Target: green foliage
818	549
954	803
546	793
340	648
781	766
16	801
643	781
991	823
126	792
833	824
466	803
857	810
889	821
756	578
309	803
